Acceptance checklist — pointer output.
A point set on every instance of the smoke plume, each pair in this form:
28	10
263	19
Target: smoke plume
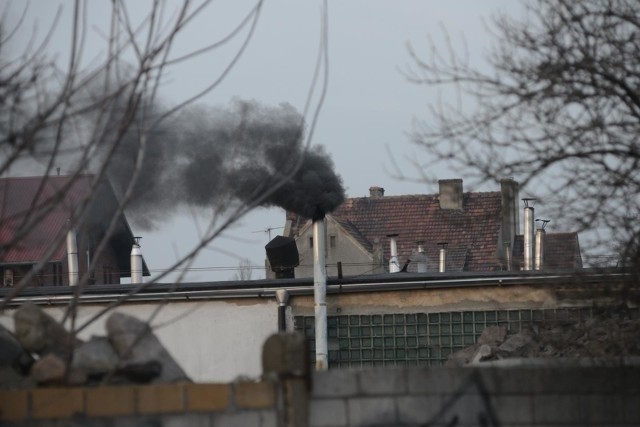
218	157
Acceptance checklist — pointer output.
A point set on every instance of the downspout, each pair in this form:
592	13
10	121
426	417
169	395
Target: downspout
136	262
72	256
320	294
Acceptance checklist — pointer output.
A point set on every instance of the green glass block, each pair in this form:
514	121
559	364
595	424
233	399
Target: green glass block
332	332
514	315
457	340
479	316
525	315
309	321
354	354
388	342
505	324
343	344
445	329
377	331
445	352
422	329
411	329
398	330
344	354
367	354
365	331
354	320
354	342
412	342
377	354
390	362
399	319
467	329
401	353
585	313
412	353
445	340
422	319
365	320
333	356
562	314
376	319
467	316
423	353
492	316
378	363
377	342
343	332
503	315
411	319
388	330
354	331
422	341
388	319
310	332
343	320
456	317
367	363
332	321
401	363
537	315
298	322
366	342
434	317
312	345
434	340
468	339
412	363
434	330
514	327
400	342
456	329
312	358
389	353
445	317
549	315
435	352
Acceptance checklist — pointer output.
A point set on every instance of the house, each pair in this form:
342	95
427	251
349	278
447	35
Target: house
42	222
473	231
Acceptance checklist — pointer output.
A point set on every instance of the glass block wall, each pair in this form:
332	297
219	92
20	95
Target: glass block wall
417	338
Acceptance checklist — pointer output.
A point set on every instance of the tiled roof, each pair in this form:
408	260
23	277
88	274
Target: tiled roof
561	251
471	233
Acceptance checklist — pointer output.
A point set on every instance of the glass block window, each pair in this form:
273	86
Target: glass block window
417	339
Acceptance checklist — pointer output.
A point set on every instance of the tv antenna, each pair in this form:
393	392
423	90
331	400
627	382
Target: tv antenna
268	230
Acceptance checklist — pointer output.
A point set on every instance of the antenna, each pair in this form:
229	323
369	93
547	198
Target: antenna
268	230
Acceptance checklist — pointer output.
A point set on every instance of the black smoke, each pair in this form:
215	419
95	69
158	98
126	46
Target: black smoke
218	157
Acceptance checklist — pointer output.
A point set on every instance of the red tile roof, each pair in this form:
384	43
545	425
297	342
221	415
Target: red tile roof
472	233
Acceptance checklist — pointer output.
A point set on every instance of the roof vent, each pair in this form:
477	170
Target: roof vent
450	193
376	192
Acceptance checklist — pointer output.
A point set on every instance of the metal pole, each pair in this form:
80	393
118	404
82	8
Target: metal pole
320	294
72	256
528	234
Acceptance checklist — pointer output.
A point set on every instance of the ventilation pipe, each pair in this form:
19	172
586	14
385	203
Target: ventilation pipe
442	264
394	267
540	237
320	294
72	256
528	233
507	255
422	258
136	262
282	296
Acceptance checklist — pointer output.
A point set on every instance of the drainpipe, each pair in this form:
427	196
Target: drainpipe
442	264
394	267
320	294
72	256
528	233
540	237
282	297
136	262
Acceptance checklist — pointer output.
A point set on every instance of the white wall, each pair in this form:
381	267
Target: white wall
213	341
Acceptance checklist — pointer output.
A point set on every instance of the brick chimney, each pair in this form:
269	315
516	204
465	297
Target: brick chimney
376	192
450	193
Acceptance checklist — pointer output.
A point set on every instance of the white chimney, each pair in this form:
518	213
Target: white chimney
442	264
528	233
136	262
320	294
394	267
540	237
72	256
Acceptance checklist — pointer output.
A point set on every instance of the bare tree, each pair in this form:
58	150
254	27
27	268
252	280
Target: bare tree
557	108
245	270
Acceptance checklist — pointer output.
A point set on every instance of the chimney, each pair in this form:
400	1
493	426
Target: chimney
320	294
510	215
442	262
376	192
528	233
394	267
450	193
72	256
136	262
540	237
422	258
282	297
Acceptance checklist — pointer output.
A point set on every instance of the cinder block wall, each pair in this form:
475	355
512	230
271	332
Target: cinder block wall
524	396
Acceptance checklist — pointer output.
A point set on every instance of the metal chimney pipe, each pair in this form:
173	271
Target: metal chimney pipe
507	255
442	264
528	234
422	259
72	256
394	267
540	237
320	294
282	296
136	262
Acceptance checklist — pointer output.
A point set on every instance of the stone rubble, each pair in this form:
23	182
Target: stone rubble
42	352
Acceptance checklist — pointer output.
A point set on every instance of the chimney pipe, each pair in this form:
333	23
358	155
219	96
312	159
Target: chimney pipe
72	256
282	296
136	262
528	233
320	294
540	237
442	264
394	267
422	259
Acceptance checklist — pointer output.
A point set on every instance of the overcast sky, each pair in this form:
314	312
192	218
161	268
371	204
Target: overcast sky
368	110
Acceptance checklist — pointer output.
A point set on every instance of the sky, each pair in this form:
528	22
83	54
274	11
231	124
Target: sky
364	123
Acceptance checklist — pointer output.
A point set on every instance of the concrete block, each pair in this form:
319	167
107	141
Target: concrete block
57	402
260	395
13	405
239	419
268	418
513	409
184	420
417	409
560	409
207	397
161	399
110	401
631	408
328	413
335	383
377	382
436	381
370	411
466	409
